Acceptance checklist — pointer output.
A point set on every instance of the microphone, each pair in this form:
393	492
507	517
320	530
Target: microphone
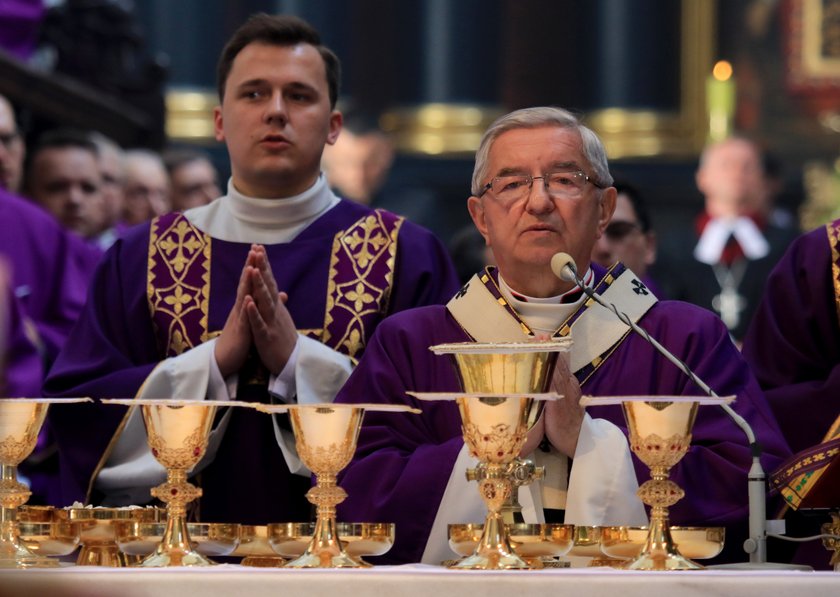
563	266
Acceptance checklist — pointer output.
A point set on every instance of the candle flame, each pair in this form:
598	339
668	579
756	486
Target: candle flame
722	70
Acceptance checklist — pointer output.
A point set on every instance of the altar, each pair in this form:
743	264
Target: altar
414	580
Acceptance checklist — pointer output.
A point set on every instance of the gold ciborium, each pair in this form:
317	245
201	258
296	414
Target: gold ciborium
177	432
505	386
325	437
20	422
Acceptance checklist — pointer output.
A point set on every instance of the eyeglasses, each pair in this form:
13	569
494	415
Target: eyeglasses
6	139
617	231
558	185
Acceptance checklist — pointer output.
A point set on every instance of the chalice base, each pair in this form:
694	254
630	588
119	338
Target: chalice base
493	551
106	554
661	555
175	557
326	558
15	555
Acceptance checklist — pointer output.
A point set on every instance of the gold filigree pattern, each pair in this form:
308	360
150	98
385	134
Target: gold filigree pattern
13	451
323	460
660	493
656	451
360	276
833	230
13	494
178	283
501	444
184	456
830	543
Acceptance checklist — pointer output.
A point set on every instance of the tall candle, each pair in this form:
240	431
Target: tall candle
720	100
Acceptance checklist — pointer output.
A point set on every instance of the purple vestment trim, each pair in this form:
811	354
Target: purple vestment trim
833	230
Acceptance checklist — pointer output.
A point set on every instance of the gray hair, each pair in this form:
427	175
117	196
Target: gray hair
530	118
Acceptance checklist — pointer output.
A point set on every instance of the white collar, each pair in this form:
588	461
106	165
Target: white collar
543	314
283	212
717	232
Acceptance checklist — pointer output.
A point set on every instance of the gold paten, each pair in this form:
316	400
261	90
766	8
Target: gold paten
359	539
210	539
537	544
660	435
697	543
20	422
98	534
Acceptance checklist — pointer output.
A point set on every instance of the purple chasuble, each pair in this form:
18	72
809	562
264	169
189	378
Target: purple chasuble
51	271
21	365
793	344
52	268
403	462
117	343
793	347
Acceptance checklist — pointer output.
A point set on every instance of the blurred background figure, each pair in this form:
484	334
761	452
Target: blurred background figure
112	170
193	180
357	165
146	186
12	148
63	177
629	237
723	263
469	252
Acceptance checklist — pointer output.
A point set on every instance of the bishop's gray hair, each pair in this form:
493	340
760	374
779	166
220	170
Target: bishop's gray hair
530	118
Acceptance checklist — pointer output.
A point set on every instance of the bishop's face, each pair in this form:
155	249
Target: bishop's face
526	233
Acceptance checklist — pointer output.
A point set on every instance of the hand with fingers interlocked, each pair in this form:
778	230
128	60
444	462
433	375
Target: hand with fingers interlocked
272	327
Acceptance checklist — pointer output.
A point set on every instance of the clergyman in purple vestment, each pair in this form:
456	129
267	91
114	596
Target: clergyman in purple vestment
190	306
793	347
541	185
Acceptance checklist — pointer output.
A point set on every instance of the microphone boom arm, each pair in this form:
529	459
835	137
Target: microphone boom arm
756	544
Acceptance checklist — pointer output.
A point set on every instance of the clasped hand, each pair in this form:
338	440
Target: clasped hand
259	317
561	420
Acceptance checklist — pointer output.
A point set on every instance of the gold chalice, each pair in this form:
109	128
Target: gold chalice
178	431
504	387
830	543
20	422
660	435
325	436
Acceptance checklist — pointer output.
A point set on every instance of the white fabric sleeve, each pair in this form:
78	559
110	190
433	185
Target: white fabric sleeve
460	503
602	484
319	373
131	470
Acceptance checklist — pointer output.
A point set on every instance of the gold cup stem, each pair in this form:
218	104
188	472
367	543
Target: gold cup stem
660	552
13	553
493	551
326	550
175	548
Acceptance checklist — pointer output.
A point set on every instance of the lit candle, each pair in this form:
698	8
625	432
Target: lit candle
720	100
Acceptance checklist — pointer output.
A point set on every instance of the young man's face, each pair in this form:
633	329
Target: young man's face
276	119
